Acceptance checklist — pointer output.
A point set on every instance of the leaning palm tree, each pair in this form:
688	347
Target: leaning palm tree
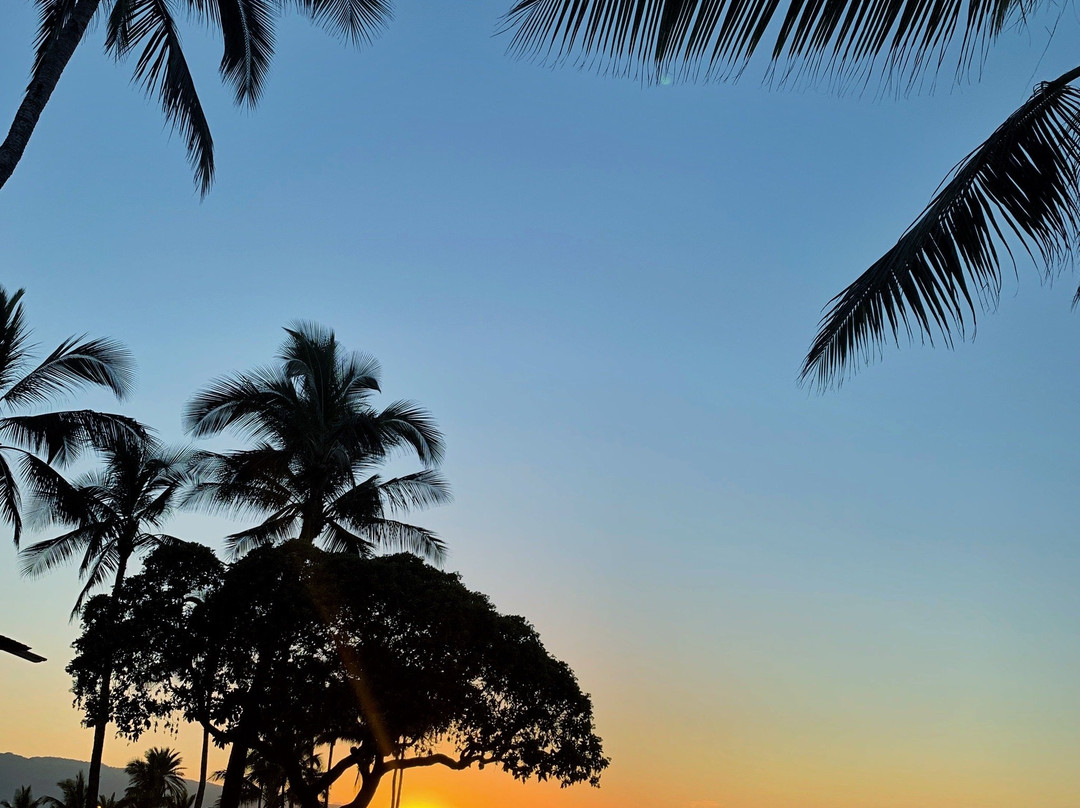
33	442
24	798
114	513
156	781
312	473
1017	191
149	27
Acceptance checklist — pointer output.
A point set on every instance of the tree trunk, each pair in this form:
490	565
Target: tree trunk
368	786
233	785
41	88
101	720
329	766
247	730
201	792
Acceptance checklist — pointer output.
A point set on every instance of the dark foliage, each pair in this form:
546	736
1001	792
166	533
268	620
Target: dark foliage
391	658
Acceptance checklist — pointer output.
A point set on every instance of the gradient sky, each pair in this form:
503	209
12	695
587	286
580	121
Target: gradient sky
863	599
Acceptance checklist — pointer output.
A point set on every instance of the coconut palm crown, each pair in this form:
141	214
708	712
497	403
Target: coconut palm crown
318	444
24	798
30	443
156	781
113	512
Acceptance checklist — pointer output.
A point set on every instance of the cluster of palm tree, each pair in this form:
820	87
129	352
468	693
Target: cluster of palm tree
154	781
311	471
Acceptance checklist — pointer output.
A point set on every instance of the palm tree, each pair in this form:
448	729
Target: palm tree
114	513
58	436
318	443
1019	188
312	473
156	781
74	793
262	784
150	27
24	798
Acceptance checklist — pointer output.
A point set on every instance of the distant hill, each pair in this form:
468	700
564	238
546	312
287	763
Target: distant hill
43	773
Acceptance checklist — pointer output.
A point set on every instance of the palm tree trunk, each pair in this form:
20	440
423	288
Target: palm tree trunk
201	792
42	85
101	720
247	730
329	766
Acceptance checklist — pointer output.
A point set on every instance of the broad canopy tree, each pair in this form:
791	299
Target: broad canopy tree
388	657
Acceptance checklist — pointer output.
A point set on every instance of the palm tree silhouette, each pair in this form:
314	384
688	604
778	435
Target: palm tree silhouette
156	781
114	513
149	26
318	443
1019	188
74	793
24	798
58	436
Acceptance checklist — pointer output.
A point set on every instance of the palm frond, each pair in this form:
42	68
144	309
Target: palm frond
242	401
46	555
72	365
423	489
13	336
405	422
10	500
163	71
247	33
276	528
388	534
53	15
700	39
1022	182
60	436
96	571
118	38
240	482
337	539
357	20
55	500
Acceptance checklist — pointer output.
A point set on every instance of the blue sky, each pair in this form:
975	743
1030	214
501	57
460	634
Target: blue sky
603	291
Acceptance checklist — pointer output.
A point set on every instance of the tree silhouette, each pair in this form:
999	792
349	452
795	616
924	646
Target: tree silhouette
1020	189
74	793
318	445
33	442
24	798
114	513
391	658
156	781
149	28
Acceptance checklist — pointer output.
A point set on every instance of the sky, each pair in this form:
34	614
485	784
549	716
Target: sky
603	291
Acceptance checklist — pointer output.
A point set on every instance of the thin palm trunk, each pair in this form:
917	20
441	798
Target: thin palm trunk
101	720
246	730
329	766
201	792
42	86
